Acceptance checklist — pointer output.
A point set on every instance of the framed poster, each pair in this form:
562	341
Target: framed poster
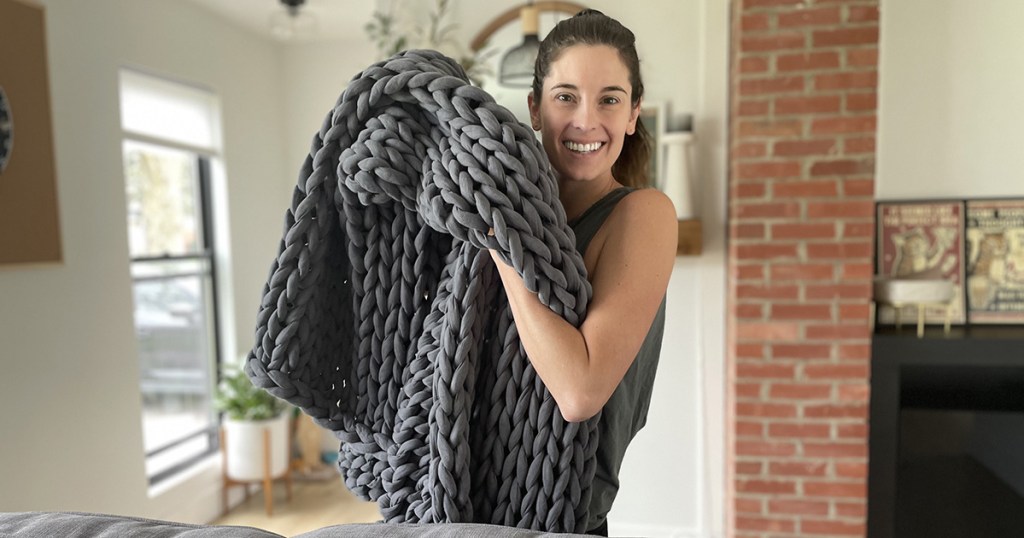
922	240
995	261
29	228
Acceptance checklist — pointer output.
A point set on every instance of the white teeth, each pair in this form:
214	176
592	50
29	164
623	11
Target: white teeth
583	148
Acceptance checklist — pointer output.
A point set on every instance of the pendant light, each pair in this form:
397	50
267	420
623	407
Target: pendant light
516	69
289	22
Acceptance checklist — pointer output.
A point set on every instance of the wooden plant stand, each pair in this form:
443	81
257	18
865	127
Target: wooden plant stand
268	480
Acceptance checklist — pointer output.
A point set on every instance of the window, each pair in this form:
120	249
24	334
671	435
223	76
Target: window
169	143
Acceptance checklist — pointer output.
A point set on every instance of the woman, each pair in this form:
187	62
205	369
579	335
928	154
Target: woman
585	102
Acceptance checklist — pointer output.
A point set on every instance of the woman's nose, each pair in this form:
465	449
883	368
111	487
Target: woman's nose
583	117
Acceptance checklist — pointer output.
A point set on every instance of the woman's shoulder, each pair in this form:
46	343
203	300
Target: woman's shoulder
646	207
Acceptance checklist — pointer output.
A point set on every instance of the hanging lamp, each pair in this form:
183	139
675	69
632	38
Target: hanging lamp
516	69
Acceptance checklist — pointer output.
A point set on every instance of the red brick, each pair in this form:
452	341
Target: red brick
765	524
751	291
748	390
845	250
854	351
807	61
859	392
801	311
767	210
846	36
757	86
799	391
797	468
836	371
749	506
805	189
857	230
749	429
837	332
823	230
809	17
860	102
756	410
843	125
802	271
846	80
749	272
861	13
830	527
749	467
800	431
857	510
800	148
766	252
755	21
767	169
814	104
750	5
843	167
766	486
801	351
767	331
836	411
854	312
862	57
838	291
835	450
750	190
750	351
780	128
835	489
793	40
859	187
844	209
851	470
749	231
750	311
754	108
859	145
853	431
765	448
746	370
750	150
797	507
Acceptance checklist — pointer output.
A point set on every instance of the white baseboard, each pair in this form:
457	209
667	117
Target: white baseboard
643	530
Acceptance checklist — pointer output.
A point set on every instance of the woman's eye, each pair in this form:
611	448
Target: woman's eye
564	97
610	100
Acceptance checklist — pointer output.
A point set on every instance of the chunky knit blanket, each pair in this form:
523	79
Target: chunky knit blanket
384	317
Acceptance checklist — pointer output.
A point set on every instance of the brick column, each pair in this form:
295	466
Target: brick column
802	160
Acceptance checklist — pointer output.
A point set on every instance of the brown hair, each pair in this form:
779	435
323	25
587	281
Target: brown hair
591	27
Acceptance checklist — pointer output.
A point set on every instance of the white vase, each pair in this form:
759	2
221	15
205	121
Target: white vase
244	447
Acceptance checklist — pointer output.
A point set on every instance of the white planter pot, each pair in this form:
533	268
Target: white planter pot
244	448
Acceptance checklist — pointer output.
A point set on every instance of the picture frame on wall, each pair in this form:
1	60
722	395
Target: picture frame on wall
653	115
995	261
922	240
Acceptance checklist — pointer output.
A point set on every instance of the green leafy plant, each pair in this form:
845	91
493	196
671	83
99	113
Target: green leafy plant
241	400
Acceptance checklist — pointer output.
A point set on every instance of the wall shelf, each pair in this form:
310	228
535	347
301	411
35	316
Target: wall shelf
691	242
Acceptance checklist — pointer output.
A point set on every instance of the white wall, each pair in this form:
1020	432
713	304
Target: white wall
69	397
950	119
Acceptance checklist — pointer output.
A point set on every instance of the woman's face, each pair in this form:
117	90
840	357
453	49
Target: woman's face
583	112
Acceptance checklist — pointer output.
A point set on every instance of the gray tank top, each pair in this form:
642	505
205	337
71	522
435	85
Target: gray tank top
626	410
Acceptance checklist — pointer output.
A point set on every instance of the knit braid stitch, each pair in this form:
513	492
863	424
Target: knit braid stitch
384	319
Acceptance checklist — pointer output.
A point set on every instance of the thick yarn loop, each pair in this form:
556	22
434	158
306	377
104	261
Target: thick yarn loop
384	318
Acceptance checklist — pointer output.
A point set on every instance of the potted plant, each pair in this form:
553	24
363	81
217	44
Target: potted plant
255	441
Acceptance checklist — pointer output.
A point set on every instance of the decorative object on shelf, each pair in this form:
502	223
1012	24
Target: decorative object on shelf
393	34
254	439
29	224
920	295
922	241
995	261
677	178
652	116
291	20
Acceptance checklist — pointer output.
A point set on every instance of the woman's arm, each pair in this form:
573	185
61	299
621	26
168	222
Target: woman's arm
581	367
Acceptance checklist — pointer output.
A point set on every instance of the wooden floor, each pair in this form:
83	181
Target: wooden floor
314	504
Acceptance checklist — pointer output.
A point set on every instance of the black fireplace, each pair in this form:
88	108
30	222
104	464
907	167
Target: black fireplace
947	434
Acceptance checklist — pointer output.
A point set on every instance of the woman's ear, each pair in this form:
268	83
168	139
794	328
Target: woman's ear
634	113
534	112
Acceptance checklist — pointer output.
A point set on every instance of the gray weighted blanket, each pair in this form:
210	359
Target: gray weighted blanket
385	320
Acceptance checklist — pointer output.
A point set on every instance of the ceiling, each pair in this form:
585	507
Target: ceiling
336	19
